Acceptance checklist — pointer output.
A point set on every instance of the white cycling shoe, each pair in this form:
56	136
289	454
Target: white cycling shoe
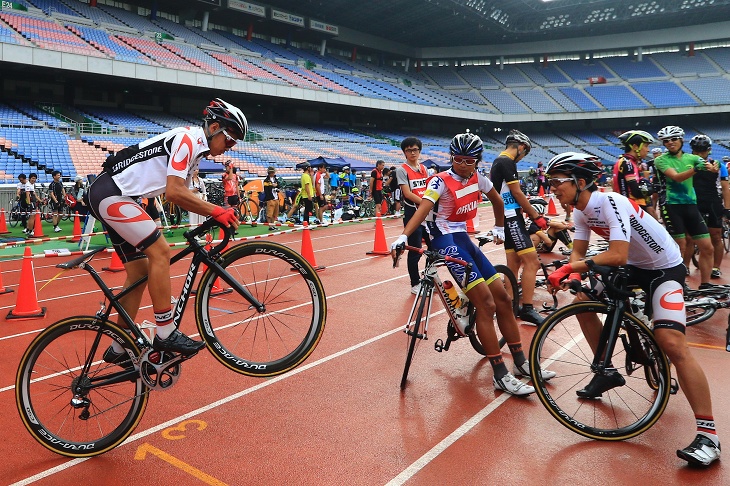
508	383
524	370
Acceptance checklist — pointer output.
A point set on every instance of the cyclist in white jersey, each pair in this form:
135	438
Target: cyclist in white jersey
655	264
450	200
162	164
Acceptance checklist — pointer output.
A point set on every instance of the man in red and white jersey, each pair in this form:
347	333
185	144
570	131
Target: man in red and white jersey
412	176
654	263
162	164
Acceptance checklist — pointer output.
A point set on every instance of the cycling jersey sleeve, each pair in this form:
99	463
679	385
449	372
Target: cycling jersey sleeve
183	154
617	219
582	230
435	188
485	185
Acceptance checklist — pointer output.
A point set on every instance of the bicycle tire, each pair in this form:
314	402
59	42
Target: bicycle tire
249	211
15	216
629	410
413	326
695	257
65	212
48	371
294	319
46	213
368	209
726	235
698	312
510	284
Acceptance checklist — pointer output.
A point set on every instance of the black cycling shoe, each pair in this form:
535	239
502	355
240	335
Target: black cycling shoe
122	359
531	315
178	342
601	383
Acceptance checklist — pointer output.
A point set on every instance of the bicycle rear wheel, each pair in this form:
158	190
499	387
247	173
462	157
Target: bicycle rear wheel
265	343
698	312
510	284
726	235
413	330
15	216
622	412
72	412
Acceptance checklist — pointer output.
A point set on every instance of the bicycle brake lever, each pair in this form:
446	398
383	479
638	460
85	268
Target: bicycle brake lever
396	254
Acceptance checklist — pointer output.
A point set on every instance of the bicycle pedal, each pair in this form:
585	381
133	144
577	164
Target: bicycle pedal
673	386
438	345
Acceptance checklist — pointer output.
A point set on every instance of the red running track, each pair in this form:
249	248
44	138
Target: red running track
341	418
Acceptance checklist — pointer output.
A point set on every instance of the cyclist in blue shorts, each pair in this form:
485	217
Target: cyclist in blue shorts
450	200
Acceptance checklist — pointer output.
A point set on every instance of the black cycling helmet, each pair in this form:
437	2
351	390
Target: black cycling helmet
636	137
700	143
516	136
468	145
226	115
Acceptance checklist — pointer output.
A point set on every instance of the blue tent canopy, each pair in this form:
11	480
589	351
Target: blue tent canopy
209	166
332	163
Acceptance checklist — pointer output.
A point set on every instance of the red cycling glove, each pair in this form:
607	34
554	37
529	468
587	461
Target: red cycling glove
226	217
559	275
541	222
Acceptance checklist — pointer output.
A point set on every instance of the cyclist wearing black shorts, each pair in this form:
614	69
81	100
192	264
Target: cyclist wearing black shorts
517	244
654	263
626	170
713	197
376	184
680	214
57	194
163	163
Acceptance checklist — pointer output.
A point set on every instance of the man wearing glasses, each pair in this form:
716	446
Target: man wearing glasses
411	177
163	163
681	216
517	243
450	200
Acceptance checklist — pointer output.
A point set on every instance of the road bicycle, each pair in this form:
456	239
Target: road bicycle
267	321
173	214
417	325
626	345
248	208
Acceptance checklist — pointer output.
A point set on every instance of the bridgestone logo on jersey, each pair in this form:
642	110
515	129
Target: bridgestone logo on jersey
645	235
139	156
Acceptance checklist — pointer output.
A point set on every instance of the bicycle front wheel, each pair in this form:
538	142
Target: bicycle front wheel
15	216
72	411
620	413
265	343
413	330
510	284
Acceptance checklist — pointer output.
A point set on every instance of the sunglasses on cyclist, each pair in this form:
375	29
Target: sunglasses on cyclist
230	141
461	159
673	139
556	181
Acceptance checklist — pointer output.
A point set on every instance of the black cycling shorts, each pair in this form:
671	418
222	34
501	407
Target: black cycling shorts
683	219
516	237
712	212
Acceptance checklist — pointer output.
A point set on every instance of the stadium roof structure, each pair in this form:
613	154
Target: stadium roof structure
452	23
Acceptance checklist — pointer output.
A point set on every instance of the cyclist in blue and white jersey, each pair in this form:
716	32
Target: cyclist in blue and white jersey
162	164
450	200
654	263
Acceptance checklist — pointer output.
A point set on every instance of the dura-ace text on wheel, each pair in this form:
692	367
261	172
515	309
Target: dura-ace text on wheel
283	335
621	412
69	399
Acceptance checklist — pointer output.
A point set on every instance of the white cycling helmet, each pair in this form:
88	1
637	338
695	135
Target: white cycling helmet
670	132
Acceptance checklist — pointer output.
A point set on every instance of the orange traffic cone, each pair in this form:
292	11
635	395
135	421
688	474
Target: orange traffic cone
3	224
116	264
470	226
307	251
541	191
26	306
77	228
3	290
380	247
37	228
551	208
384	207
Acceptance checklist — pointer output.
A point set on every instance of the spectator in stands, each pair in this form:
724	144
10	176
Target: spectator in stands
197	186
626	177
32	202
22	198
713	200
412	176
57	195
335	183
319	189
375	187
345	180
271	197
307	195
680	213
231	186
161	164
517	244
78	191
